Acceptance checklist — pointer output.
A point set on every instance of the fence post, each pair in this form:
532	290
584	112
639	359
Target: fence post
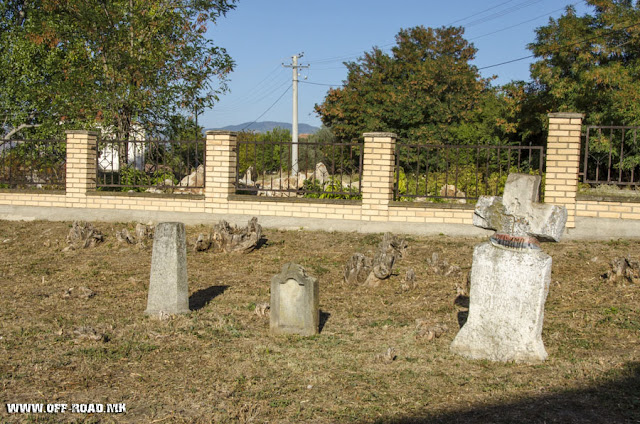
563	161
378	166
220	169
81	164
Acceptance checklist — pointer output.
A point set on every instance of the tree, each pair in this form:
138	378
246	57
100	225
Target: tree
424	89
82	62
591	63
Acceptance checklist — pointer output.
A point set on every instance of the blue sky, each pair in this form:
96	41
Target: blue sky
261	35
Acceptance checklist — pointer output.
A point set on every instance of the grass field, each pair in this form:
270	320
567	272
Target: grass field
220	364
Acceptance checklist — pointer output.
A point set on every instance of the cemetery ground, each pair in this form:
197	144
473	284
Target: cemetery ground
219	363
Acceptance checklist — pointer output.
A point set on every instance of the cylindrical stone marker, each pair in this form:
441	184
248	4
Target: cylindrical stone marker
168	286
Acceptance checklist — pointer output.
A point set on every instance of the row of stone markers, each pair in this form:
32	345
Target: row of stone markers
510	278
294	294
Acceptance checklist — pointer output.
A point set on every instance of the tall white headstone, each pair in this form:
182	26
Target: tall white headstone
510	275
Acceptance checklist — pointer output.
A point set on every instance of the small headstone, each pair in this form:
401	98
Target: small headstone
168	286
510	275
294	302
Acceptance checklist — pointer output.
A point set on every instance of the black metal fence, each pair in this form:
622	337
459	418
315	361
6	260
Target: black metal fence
611	155
33	164
325	170
157	166
460	173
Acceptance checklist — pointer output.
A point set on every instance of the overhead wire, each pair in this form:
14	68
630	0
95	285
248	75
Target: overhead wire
268	109
525	22
241	104
502	13
270	82
319	83
488	18
479	13
561	47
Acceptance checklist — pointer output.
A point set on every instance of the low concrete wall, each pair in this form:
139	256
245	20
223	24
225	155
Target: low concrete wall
31	213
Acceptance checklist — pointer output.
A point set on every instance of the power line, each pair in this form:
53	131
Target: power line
272	82
491	17
479	13
502	13
319	83
268	109
242	103
525	22
561	47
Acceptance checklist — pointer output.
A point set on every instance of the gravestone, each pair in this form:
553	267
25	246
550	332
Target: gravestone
510	275
168	286
294	302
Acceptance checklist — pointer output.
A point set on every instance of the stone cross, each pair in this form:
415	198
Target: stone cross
294	302
517	213
510	275
168	286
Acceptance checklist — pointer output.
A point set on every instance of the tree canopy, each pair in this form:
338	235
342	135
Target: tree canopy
88	62
591	63
425	88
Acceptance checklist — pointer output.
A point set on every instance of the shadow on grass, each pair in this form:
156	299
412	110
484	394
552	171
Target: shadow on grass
261	242
324	317
201	298
615	400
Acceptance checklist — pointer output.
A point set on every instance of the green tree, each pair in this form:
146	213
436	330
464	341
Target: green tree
591	63
115	63
424	89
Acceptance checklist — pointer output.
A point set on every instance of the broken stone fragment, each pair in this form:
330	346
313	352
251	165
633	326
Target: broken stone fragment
83	235
227	238
623	270
123	236
357	269
427	331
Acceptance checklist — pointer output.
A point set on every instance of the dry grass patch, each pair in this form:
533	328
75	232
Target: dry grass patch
220	364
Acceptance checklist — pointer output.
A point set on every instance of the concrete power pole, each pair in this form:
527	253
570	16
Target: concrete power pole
294	124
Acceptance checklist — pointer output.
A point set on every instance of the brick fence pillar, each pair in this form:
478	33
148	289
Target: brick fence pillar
377	175
563	162
220	169
81	164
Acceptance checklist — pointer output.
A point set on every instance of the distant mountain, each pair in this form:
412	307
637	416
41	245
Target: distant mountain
265	126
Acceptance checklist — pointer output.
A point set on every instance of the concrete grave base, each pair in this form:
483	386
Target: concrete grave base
506	308
168	285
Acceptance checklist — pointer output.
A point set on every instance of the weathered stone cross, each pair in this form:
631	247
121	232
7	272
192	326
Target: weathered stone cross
510	275
517	213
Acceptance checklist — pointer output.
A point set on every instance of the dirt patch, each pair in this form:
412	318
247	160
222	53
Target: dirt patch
220	364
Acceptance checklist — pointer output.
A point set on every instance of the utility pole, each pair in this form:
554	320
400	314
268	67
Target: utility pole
294	124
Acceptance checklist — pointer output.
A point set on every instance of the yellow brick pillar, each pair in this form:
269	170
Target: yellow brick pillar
563	162
81	165
378	166
220	170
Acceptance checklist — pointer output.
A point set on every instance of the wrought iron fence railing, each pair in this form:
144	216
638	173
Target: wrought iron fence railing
459	173
611	156
33	164
325	170
157	166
